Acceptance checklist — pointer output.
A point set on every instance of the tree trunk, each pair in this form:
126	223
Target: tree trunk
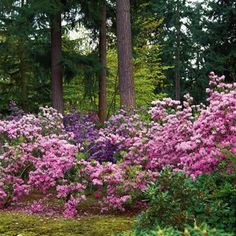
177	67
24	83
56	64
125	66
102	104
23	71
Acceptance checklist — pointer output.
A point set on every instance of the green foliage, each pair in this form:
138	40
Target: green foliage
25	57
23	67
172	200
175	14
148	73
207	42
176	200
218	208
81	84
220	38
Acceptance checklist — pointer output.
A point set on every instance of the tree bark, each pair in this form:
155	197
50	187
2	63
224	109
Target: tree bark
56	63
177	67
23	71
125	66
24	82
102	103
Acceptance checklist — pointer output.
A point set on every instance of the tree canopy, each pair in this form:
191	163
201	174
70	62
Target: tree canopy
174	46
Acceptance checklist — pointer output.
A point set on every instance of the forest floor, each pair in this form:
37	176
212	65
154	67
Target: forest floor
22	224
18	220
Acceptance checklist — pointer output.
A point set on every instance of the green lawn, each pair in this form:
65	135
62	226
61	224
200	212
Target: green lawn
19	224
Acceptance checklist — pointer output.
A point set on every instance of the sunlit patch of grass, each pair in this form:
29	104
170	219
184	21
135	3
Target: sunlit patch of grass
19	224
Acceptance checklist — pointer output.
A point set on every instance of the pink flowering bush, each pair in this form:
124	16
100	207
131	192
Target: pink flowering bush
36	153
186	137
116	163
115	185
171	125
37	207
215	128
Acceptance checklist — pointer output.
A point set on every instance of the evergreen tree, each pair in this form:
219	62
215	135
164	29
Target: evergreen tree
176	41
220	37
23	66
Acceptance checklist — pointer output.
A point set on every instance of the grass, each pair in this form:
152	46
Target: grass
19	224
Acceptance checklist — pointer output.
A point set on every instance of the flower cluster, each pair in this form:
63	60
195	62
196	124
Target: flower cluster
115	185
214	129
82	126
36	153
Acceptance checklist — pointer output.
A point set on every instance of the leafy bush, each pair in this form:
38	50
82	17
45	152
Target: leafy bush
176	200
219	189
35	154
172	201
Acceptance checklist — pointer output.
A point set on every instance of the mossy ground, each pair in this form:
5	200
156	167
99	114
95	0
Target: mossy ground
20	224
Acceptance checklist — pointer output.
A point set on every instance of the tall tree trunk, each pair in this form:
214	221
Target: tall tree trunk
125	66
24	84
177	67
102	104
56	64
23	71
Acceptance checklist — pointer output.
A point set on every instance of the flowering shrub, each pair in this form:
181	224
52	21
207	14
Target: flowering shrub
15	112
104	144
214	128
36	153
118	161
186	137
82	126
115	185
117	135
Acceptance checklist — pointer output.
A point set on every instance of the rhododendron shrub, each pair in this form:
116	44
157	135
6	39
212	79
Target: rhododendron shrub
116	137
36	154
15	112
115	163
83	127
214	129
104	144
115	185
186	137
172	125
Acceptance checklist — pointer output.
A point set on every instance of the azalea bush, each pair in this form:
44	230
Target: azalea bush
129	153
72	157
36	153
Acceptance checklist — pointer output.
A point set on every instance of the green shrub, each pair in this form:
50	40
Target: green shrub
176	200
218	207
171	200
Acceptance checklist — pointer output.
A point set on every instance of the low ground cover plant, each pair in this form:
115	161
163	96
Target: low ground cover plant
202	230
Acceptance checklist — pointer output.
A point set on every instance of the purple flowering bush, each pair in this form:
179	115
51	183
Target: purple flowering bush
116	137
72	158
83	126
